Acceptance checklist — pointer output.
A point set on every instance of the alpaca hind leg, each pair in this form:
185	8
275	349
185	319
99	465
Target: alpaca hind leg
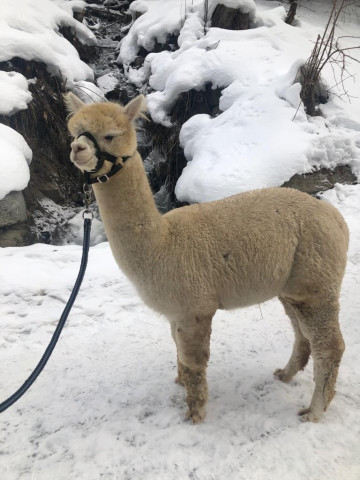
320	325
193	343
301	348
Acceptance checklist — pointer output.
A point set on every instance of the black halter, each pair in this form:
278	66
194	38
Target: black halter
101	157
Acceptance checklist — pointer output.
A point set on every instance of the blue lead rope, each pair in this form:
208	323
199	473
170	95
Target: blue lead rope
43	361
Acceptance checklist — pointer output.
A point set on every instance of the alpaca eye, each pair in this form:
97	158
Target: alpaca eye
109	137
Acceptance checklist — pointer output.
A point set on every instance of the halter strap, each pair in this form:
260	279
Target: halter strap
101	157
106	176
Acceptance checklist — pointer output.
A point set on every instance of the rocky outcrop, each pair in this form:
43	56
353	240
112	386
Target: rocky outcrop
230	18
322	179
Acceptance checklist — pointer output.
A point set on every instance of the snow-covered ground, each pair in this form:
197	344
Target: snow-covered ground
106	406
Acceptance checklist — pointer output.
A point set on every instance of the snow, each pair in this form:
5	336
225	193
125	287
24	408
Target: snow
107	82
88	92
15	154
14	94
106	405
15	158
245	146
73	232
34	35
155	25
246	6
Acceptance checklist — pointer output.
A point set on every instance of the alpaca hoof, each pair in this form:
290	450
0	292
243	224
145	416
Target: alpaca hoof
306	415
195	416
281	374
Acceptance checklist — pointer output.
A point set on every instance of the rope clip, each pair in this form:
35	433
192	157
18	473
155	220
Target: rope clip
87	195
87	214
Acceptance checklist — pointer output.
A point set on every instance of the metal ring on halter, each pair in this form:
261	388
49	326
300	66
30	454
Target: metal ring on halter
87	214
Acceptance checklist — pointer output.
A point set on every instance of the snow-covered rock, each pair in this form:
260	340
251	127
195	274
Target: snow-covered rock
15	157
14	93
33	34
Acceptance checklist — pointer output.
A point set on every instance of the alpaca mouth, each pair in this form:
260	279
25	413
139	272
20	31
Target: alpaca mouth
83	162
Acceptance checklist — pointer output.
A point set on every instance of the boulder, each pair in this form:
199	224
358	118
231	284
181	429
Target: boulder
230	18
12	209
322	179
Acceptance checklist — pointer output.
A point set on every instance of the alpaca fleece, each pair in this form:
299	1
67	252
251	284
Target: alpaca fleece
226	254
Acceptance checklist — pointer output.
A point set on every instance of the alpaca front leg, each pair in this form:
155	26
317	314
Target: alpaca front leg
301	349
194	381
180	368
193	344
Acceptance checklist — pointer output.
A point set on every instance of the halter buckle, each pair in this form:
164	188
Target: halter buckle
102	178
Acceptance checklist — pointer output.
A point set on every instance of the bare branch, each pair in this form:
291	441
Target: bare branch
327	51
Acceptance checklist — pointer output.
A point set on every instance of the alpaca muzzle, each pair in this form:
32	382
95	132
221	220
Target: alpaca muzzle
100	154
101	157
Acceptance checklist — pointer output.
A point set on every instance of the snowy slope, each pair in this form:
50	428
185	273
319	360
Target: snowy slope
106	405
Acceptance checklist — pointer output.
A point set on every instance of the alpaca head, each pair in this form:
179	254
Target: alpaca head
111	124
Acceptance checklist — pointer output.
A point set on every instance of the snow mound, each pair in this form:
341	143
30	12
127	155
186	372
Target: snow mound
14	93
155	24
107	82
246	6
15	157
34	35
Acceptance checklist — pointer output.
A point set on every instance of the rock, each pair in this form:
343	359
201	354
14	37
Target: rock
230	18
16	236
12	209
322	179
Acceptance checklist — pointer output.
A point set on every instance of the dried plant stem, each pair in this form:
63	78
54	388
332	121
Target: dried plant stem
327	51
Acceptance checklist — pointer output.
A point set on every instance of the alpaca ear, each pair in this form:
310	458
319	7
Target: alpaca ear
72	102
135	108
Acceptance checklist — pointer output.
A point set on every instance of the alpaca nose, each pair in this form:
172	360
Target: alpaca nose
77	147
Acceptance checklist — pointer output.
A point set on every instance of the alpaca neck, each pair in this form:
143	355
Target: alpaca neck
134	227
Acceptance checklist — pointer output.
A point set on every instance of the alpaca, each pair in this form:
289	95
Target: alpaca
239	251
